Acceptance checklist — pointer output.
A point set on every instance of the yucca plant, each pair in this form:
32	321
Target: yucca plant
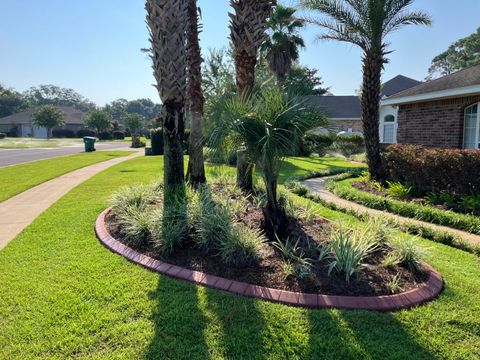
270	125
366	24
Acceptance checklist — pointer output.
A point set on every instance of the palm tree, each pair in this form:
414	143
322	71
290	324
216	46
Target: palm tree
248	26
282	47
366	23
196	167
270	125
166	20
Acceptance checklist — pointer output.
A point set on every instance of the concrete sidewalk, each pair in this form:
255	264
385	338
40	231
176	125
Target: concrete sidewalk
19	211
317	186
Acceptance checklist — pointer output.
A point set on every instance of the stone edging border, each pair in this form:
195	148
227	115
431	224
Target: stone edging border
426	292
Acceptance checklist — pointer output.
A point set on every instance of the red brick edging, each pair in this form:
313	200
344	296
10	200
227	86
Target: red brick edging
426	292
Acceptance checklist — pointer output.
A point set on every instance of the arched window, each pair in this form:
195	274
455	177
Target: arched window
471	129
388	129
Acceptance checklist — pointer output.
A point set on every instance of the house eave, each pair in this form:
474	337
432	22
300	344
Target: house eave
435	95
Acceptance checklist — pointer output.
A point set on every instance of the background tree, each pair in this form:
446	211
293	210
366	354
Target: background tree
99	120
304	81
366	23
281	48
248	25
55	95
11	102
48	117
463	53
196	167
166	20
134	122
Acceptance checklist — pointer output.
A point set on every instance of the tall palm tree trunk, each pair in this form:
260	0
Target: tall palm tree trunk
166	20
248	25
196	167
373	61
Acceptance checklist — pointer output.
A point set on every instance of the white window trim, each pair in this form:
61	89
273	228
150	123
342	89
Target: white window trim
477	129
382	128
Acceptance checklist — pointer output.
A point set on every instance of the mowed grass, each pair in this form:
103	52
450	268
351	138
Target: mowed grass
63	295
18	178
29	143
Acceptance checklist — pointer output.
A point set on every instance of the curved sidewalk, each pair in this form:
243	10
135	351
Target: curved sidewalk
19	211
317	186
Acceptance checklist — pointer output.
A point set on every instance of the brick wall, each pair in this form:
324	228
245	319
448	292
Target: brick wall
435	123
344	125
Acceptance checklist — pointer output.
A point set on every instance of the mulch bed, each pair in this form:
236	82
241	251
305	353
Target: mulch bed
373	279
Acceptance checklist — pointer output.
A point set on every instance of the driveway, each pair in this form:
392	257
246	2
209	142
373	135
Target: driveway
19	156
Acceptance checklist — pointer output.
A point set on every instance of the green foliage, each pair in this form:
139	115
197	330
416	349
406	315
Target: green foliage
318	144
449	170
296	263
99	120
134	122
56	96
48	117
135	224
120	109
464	222
242	245
349	248
408	253
461	54
349	145
304	81
398	190
156	138
3	135
471	203
137	196
11	102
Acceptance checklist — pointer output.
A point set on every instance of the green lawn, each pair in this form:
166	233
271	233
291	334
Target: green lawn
30	143
18	178
63	295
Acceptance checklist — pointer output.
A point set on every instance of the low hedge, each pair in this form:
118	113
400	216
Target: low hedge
3	135
63	133
429	214
451	170
156	138
118	134
318	143
85	132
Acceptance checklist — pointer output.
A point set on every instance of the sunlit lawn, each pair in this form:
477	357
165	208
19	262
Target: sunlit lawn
63	295
18	178
30	143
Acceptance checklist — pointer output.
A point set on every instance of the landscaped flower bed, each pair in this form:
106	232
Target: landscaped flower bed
224	237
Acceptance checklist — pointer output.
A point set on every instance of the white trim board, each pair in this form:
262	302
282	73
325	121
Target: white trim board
435	95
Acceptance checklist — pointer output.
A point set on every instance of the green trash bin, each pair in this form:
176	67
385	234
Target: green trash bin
89	143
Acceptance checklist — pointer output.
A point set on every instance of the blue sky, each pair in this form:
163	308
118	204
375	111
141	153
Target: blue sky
94	46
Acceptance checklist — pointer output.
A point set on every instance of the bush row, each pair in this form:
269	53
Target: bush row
321	144
3	135
452	170
429	214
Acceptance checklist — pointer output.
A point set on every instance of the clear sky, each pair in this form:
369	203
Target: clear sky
93	46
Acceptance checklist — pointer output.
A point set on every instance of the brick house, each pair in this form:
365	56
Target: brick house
440	113
345	112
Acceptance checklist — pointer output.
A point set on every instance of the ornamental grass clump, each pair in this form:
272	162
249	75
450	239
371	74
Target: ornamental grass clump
136	225
139	196
241	246
407	253
348	250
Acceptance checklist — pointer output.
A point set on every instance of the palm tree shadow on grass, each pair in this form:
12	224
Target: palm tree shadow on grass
337	334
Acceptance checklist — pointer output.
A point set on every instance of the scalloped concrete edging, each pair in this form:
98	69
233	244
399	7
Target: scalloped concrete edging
426	292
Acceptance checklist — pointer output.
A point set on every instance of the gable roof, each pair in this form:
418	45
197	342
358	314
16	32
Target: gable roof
397	84
337	107
72	117
467	79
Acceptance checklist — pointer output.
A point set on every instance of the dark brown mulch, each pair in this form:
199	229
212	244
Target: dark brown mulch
373	279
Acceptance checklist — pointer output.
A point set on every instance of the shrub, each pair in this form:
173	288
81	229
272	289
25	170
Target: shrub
105	135
137	142
318	143
471	203
85	132
118	134
63	133
349	145
450	170
3	135
398	190
156	138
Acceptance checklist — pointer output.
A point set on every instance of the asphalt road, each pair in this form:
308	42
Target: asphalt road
18	156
